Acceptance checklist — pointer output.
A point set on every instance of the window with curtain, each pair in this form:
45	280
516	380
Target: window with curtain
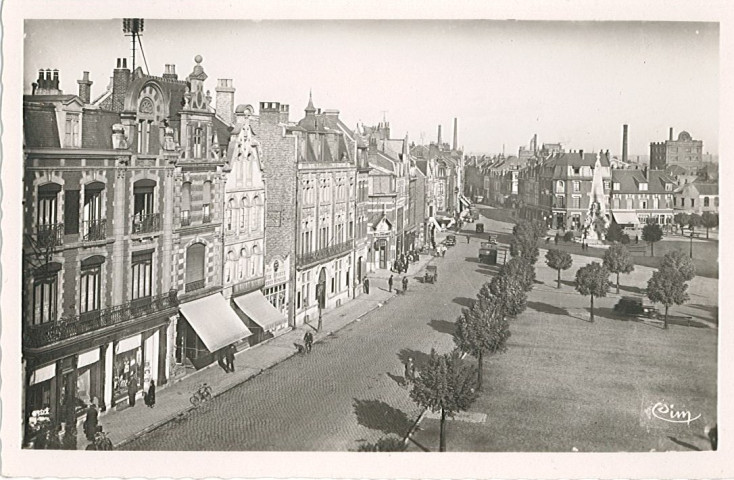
142	275
47	213
45	293
229	215
242	264
186	204
90	287
244	214
256	217
256	261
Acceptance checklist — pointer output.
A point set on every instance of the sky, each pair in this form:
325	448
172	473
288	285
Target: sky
571	82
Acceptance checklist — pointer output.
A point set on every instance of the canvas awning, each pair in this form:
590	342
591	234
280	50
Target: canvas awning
465	201
216	324
436	224
260	310
623	218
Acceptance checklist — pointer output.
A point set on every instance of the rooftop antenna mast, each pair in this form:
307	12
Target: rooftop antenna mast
133	27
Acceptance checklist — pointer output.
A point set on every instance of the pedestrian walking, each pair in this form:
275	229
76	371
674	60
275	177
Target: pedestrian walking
637	239
132	389
149	397
90	423
408	371
405	284
443	252
468	238
221	359
308	340
389	284
229	357
366	285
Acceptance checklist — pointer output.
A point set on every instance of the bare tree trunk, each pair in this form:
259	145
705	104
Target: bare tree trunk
617	282
480	362
665	321
592	308
442	435
559	278
652	249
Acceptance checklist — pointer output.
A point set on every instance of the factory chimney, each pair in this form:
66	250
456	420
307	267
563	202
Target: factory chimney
455	145
624	143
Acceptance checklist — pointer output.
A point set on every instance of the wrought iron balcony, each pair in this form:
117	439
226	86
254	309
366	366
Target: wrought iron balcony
206	217
50	236
147	223
322	254
94	230
195	285
37	336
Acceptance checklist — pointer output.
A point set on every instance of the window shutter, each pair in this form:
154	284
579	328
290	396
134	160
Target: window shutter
71	212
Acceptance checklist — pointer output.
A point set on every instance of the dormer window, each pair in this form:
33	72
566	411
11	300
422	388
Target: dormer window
617	186
668	187
72	138
643	187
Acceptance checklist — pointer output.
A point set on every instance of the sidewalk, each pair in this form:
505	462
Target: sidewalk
172	400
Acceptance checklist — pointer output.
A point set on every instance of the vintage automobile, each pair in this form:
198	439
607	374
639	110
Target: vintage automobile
480	228
635	307
450	240
487	253
431	274
492	239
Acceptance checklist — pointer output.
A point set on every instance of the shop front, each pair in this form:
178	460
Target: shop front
260	316
126	368
204	327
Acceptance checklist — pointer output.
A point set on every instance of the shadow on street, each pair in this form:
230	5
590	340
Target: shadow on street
443	326
378	415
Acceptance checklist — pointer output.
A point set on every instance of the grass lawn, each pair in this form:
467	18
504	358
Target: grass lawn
566	383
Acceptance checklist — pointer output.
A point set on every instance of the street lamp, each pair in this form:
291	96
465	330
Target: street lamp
691	244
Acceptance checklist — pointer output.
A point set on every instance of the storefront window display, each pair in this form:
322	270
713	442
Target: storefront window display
126	369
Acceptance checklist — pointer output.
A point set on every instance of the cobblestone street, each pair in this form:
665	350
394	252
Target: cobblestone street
347	389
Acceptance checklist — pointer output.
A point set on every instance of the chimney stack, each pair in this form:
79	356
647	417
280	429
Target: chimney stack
455	145
85	88
624	143
284	111
48	82
170	72
225	99
439	136
120	83
581	154
671	134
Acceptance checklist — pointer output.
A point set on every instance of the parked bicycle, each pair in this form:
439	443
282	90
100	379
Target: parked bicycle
203	394
101	441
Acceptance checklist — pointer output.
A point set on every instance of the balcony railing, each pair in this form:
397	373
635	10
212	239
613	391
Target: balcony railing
248	286
323	253
195	285
207	217
45	334
94	230
50	236
147	223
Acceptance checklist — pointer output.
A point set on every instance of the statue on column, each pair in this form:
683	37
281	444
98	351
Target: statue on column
596	222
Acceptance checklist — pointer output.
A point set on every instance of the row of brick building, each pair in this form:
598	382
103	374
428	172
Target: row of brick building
162	225
550	184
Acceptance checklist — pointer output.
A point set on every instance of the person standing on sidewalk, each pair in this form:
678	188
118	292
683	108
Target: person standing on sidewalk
90	424
468	238
221	353
405	284
366	285
132	389
389	284
150	395
308	340
231	350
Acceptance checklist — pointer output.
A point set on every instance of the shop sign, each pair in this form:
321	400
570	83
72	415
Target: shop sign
276	272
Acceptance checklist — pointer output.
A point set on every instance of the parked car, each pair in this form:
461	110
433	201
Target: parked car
431	274
480	228
450	240
635	307
492	239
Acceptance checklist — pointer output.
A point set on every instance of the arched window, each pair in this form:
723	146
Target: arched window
195	256
255	261
186	204
705	201
47	213
45	293
90	284
230	267
242	263
229	215
560	186
256	217
144	220
244	214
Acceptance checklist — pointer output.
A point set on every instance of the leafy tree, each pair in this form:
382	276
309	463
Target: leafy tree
615	232
524	242
617	259
558	260
695	220
447	385
681	219
482	329
509	291
652	233
568	236
389	443
709	220
625	240
677	260
520	268
593	280
667	286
